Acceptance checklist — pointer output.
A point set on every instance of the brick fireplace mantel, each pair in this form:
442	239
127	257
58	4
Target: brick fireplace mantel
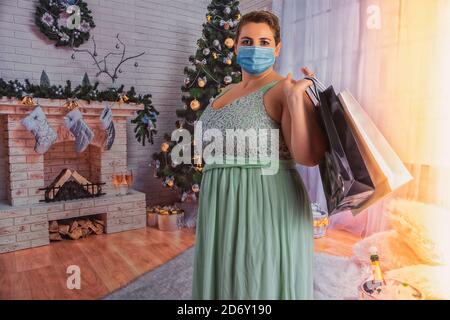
54	107
23	217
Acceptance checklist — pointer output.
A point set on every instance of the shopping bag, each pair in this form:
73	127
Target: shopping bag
345	178
386	170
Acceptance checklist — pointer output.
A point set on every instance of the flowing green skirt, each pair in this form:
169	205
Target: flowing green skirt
254	236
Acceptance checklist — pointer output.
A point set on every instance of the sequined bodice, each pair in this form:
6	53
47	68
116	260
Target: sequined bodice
247	114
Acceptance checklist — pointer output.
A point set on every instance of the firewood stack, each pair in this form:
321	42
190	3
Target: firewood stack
75	229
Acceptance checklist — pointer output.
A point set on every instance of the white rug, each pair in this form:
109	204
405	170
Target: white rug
335	278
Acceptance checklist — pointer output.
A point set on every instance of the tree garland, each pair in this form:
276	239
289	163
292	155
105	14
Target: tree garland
145	120
67	22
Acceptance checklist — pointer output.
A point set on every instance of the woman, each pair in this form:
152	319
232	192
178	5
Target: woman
254	237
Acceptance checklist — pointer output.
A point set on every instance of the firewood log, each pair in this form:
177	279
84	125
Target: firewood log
64	229
99	222
82	180
76	233
73	225
55	236
86	232
53	227
62	178
82	222
99	229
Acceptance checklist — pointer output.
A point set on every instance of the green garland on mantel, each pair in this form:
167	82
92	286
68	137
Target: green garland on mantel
145	120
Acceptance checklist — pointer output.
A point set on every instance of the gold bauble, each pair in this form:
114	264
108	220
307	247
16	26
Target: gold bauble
214	55
28	101
209	17
195	105
228	61
201	83
165	147
123	98
229	43
170	184
238	17
71	104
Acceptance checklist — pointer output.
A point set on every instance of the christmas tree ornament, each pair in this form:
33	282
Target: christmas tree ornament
227	61
71	104
165	147
36	122
80	130
209	17
201	82
227	24
227	10
214	55
195	105
169	181
123	98
106	119
206	51
216	43
28	100
238	16
195	188
187	81
227	79
229	43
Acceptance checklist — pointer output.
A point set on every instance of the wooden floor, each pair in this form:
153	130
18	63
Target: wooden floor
108	262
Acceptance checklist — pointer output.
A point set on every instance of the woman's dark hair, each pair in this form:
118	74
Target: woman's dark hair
262	16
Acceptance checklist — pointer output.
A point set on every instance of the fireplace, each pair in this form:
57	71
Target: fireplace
70	185
25	209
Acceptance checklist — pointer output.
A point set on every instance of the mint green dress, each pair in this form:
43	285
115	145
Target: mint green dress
254	234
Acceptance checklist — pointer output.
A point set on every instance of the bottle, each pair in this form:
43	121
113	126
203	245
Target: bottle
377	274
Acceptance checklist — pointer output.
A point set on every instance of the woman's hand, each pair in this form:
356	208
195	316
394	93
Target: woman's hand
294	89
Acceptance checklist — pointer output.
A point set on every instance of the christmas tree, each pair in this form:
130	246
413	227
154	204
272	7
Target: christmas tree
212	68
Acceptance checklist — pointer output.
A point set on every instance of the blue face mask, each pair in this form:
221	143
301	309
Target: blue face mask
255	60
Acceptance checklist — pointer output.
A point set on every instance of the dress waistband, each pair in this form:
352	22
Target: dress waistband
282	164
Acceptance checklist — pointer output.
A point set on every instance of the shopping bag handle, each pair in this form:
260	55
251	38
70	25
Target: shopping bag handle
317	83
316	88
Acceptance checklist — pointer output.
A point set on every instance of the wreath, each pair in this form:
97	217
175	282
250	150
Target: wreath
68	22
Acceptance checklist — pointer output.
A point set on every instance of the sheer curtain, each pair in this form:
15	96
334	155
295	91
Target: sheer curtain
393	56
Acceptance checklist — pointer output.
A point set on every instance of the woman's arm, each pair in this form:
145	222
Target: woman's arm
300	125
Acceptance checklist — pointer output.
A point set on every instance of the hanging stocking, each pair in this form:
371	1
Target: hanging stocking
36	122
83	134
106	119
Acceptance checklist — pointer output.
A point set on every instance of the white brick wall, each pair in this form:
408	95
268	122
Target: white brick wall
166	30
251	5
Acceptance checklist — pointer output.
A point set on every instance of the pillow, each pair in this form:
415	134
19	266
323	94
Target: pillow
425	228
393	251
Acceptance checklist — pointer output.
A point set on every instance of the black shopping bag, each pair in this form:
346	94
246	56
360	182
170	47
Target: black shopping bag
345	178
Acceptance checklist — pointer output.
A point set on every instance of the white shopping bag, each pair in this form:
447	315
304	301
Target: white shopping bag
386	170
